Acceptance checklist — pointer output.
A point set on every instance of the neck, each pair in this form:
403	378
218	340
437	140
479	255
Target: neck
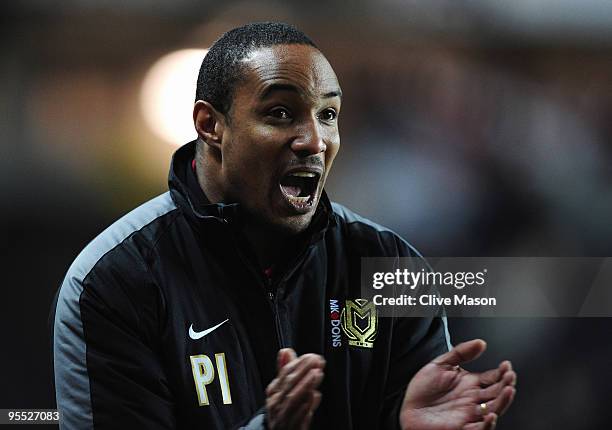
268	245
207	177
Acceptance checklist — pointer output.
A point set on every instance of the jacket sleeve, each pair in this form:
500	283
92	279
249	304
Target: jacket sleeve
258	422
415	342
108	371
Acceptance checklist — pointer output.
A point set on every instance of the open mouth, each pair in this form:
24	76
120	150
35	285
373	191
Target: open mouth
299	188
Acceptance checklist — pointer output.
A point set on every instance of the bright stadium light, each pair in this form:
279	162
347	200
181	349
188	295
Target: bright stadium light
168	92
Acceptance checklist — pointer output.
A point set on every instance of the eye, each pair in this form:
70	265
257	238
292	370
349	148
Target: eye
328	115
279	113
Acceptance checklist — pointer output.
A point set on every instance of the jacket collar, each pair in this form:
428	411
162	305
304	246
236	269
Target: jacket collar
199	209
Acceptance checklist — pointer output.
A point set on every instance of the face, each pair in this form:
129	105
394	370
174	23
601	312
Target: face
281	136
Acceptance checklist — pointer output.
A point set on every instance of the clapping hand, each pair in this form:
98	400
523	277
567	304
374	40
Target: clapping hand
443	396
293	396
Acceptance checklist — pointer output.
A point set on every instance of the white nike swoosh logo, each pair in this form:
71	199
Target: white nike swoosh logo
195	335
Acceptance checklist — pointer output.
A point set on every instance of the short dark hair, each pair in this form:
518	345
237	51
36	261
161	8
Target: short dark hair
221	68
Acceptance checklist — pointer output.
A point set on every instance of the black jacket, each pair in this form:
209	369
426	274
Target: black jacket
130	342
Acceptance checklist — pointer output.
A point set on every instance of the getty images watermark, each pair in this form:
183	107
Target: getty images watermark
489	287
404	278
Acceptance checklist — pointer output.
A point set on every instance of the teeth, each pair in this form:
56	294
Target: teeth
298	199
303	174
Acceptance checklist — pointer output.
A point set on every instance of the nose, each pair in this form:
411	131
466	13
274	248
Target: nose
309	140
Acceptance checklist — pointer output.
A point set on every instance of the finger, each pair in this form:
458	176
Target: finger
313	360
500	404
272	387
494	375
302	415
510	378
306	411
285	379
492	391
301	392
273	404
296	377
488	423
462	353
281	407
294	372
504	406
316	401
307	385
315	404
284	356
489	377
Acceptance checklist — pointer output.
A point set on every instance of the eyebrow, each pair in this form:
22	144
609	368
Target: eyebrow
292	88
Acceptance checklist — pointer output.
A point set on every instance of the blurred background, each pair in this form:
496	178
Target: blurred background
470	127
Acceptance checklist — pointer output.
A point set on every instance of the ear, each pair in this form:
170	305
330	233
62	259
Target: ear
209	123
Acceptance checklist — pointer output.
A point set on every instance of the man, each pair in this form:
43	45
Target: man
217	304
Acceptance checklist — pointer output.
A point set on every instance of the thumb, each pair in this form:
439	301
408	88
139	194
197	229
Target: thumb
285	355
462	353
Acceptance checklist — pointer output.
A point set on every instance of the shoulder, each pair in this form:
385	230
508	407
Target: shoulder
142	224
378	239
105	290
115	258
347	216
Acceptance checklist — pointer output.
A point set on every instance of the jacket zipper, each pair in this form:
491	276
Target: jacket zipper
274	307
271	297
274	299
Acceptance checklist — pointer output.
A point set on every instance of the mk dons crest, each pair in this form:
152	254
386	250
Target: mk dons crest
359	322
